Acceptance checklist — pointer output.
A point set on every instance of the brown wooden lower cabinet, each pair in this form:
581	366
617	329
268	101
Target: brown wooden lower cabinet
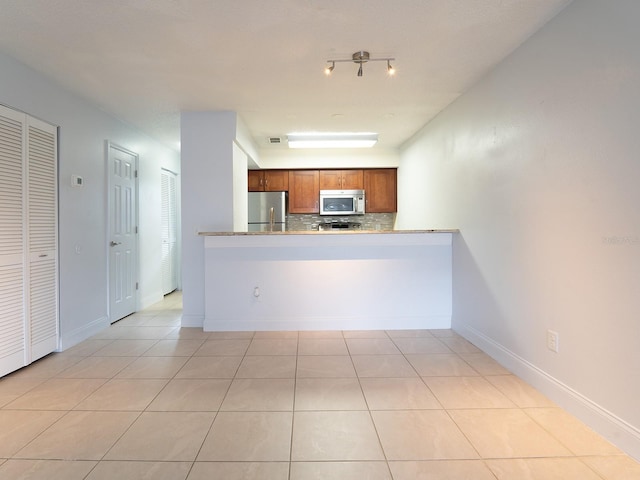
304	191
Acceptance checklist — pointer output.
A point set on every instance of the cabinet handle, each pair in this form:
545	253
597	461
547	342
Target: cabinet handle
43	255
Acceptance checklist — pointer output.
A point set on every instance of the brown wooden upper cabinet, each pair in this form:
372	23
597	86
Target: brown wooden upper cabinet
304	191
380	190
268	180
341	180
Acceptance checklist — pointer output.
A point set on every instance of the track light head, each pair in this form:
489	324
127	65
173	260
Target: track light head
329	68
390	68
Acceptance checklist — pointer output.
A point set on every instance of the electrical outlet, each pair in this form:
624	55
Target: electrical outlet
553	340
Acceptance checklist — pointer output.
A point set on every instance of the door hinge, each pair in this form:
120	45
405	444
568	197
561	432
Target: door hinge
135	173
136	227
137	286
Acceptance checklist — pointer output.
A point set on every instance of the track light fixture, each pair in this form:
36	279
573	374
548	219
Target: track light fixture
361	58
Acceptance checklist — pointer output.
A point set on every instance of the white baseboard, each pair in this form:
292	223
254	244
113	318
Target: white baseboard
148	300
76	336
192	321
622	434
326	323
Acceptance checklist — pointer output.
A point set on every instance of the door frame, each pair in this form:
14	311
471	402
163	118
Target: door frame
108	146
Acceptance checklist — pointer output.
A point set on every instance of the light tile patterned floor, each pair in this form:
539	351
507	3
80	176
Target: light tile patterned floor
146	399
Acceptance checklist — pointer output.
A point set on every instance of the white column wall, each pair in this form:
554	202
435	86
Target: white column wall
537	165
207	141
240	188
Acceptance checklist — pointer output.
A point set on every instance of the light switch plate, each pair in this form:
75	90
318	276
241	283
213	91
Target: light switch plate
553	341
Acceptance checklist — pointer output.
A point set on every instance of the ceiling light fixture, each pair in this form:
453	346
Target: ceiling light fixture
331	140
360	58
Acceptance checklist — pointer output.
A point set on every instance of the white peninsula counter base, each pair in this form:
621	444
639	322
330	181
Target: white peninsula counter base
328	281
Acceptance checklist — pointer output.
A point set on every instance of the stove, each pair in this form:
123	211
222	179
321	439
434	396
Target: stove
339	226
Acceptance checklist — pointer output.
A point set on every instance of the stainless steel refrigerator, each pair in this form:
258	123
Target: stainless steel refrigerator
267	211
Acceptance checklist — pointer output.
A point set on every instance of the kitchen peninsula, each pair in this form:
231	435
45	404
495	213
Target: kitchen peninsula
309	280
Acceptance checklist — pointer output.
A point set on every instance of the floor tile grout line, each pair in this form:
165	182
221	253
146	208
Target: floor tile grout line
439	402
373	423
293	408
42	432
404	355
204	440
524	410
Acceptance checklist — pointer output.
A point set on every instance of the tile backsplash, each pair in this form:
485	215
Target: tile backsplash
369	221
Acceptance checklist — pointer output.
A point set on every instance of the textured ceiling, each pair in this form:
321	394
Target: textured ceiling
146	60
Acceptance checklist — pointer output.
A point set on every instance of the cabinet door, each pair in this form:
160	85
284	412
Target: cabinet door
341	180
12	294
42	241
330	179
256	181
380	190
276	180
352	180
304	191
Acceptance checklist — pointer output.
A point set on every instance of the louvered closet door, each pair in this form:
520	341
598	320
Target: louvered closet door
41	221
12	318
169	224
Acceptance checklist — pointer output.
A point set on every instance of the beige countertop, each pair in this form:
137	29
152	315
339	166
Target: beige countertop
316	232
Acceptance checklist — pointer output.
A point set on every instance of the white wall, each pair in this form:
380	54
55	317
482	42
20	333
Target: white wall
244	141
538	167
321	158
240	188
153	158
396	281
83	211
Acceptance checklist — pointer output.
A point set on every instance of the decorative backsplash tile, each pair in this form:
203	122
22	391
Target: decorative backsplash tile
369	221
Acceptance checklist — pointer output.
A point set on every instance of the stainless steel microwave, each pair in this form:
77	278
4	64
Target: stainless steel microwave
341	202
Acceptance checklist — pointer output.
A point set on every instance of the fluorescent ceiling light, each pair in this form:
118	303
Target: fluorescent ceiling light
332	140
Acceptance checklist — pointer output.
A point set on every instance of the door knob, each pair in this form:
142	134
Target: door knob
113	244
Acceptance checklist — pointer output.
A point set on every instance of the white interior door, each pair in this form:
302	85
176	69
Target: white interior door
123	232
169	221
